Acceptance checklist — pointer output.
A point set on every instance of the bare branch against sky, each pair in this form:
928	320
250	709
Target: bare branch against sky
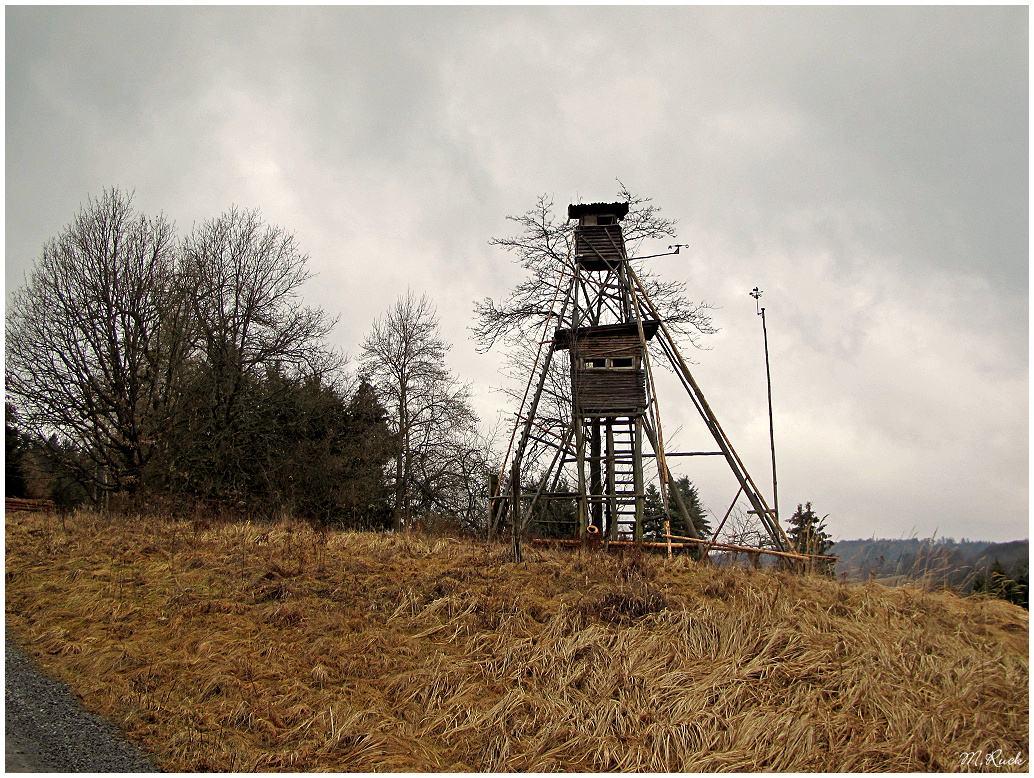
866	167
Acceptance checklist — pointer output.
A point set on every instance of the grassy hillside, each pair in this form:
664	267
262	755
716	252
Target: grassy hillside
243	647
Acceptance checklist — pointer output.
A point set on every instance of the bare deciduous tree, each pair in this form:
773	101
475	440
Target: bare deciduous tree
247	323
403	357
134	361
246	311
95	342
543	248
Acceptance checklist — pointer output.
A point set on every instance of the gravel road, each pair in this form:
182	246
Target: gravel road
47	730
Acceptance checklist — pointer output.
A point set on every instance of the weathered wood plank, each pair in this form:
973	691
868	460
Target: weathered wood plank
14	504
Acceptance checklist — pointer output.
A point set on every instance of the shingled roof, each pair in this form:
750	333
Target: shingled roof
575	211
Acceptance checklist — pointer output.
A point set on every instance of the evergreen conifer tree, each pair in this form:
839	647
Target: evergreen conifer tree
14	454
653	512
808	532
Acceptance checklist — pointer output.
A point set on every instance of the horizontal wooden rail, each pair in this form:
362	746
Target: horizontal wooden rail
12	504
748	549
688	454
684	542
571	543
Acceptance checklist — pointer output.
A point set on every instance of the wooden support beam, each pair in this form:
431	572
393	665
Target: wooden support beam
545	478
612	508
682	543
637	477
572	543
519	452
595	460
750	549
753	494
689	454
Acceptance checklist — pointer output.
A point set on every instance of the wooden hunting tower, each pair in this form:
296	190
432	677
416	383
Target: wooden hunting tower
598	242
608	375
608	389
603	406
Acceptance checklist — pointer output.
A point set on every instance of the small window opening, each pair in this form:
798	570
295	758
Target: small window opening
624	362
601	220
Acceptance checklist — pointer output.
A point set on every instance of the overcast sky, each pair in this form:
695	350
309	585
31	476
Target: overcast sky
866	167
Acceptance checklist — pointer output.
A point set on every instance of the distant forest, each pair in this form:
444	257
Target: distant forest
968	566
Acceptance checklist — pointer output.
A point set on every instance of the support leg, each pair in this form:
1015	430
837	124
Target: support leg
612	503
637	476
596	474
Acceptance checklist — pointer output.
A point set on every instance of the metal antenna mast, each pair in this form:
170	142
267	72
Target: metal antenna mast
756	294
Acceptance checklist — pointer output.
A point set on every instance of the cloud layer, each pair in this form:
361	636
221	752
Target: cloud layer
866	167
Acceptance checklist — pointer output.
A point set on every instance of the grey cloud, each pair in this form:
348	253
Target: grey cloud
857	163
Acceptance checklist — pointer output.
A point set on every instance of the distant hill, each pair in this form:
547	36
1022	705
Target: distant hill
943	561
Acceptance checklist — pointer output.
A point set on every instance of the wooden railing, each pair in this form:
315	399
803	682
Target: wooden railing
13	504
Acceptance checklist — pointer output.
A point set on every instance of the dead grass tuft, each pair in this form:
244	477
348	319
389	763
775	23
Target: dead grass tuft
620	605
234	647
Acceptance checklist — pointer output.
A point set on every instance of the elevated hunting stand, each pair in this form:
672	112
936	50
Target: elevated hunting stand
593	414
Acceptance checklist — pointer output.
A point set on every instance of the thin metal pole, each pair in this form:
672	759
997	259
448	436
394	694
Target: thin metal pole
756	293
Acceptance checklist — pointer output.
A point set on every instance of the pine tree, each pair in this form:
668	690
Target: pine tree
653	511
808	532
1006	586
554	518
979	584
14	454
365	448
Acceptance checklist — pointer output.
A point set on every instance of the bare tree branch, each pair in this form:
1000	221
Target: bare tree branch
543	246
95	342
403	357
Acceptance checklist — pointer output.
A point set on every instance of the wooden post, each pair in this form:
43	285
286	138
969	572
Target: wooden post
583	507
596	473
612	507
637	464
516	511
493	502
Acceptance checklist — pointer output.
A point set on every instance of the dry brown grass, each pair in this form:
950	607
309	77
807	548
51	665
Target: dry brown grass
265	648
